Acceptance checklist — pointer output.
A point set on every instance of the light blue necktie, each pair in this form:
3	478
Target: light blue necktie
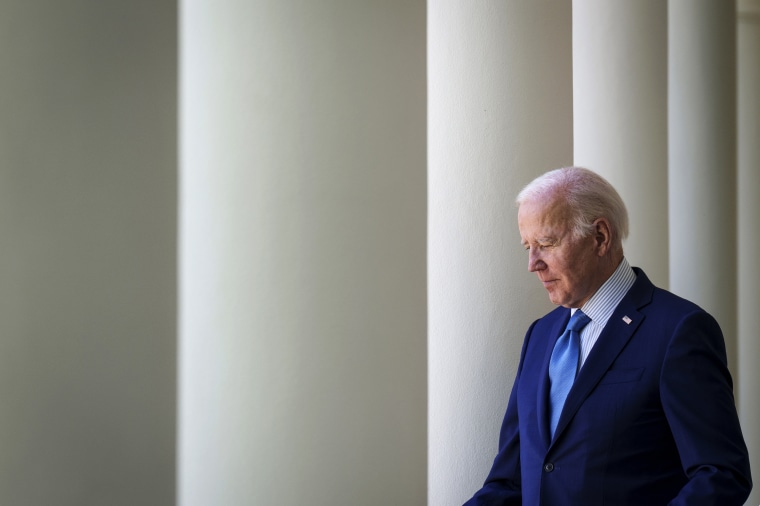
563	366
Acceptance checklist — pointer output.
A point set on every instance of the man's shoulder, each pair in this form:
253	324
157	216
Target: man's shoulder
556	316
654	298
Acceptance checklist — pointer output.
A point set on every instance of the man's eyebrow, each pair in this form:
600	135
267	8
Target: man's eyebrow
541	240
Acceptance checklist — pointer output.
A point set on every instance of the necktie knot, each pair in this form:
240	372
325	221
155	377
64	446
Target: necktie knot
578	321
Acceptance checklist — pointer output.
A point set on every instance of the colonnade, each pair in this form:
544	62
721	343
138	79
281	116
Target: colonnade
325	304
655	111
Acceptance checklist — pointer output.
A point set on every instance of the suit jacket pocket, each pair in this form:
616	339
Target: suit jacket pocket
622	376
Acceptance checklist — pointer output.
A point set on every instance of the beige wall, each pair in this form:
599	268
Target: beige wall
87	256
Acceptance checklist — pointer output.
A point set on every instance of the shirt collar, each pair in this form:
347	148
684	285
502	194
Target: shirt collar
602	304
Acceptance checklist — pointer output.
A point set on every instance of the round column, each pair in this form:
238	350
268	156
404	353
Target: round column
620	115
500	113
88	272
748	107
303	284
702	154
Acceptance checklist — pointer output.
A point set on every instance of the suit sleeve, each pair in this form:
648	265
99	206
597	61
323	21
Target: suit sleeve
502	486
697	397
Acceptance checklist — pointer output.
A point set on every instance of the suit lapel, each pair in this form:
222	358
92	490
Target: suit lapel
623	323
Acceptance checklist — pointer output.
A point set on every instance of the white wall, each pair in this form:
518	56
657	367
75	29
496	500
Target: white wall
303	284
87	279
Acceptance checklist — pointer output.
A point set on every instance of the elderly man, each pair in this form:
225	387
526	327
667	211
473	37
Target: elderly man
622	395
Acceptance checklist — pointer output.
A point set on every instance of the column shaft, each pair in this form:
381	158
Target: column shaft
88	225
702	157
748	106
303	293
620	115
500	113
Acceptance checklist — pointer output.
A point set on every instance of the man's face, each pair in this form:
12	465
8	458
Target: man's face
567	267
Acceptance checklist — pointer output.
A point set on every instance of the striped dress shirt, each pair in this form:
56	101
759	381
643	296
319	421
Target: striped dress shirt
602	304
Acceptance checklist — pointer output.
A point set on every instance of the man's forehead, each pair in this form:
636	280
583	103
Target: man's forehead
552	213
542	222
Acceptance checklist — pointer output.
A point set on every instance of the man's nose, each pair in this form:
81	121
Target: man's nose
535	263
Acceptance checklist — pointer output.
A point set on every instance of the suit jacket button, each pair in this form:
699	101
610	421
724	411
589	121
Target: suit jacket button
549	467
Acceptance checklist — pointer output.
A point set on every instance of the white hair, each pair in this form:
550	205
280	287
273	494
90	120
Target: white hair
587	195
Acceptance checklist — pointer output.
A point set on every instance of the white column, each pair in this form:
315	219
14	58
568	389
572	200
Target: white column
620	115
88	252
303	294
702	154
748	107
500	113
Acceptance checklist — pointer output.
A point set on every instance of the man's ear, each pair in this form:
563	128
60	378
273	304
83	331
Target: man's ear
602	236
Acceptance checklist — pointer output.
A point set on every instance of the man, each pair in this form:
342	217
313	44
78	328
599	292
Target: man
633	405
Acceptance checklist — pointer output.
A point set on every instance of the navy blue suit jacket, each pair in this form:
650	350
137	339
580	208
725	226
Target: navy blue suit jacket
650	419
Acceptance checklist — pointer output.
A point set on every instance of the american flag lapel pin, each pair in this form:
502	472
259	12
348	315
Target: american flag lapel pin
627	320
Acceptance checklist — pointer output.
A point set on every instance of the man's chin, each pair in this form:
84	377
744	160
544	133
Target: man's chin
555	299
